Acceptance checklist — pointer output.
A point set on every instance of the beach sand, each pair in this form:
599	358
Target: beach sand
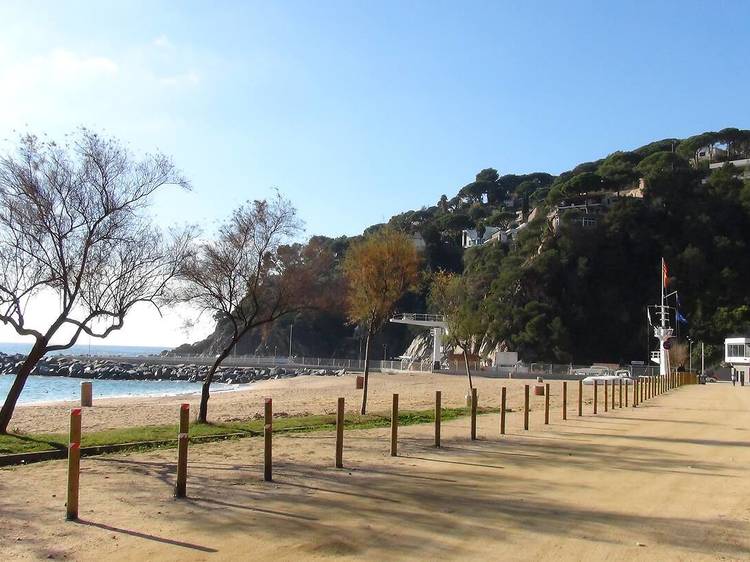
665	481
292	396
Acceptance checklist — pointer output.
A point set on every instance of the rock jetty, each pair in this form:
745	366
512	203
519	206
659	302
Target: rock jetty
142	370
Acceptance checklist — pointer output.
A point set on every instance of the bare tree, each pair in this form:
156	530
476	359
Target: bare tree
248	277
73	223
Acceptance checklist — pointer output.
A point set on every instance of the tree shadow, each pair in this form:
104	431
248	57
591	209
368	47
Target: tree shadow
147	536
249	508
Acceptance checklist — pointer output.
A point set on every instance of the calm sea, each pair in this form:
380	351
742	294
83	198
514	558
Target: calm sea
55	389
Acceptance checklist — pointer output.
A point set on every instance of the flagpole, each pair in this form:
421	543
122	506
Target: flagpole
663	318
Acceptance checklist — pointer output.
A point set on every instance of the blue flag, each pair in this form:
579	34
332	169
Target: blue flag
681	319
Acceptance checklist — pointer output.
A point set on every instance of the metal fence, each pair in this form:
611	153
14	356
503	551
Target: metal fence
520	370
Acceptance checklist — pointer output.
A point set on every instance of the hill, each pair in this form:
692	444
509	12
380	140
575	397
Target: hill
564	266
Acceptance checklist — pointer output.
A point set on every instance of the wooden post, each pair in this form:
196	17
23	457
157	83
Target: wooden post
596	393
580	397
626	393
613	395
636	388
438	416
340	433
619	401
565	400
74	465
606	395
526	407
502	411
546	404
473	414
394	426
87	394
267	437
180	489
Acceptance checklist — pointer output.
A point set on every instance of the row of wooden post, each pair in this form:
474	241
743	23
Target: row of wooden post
644	388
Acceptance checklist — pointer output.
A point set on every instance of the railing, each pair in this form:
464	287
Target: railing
454	366
419	317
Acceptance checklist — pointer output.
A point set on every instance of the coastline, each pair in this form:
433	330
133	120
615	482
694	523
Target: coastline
68	389
74	403
302	395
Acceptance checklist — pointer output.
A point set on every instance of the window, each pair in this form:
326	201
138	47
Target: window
738	350
588	221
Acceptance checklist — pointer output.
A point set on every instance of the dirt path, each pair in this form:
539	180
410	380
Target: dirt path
661	482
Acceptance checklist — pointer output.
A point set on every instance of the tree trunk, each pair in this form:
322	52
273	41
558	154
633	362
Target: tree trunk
363	409
468	371
205	391
6	413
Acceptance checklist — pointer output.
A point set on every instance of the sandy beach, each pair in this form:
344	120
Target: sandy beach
294	396
664	481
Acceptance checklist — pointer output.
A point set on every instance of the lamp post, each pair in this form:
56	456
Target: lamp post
291	331
385	350
690	354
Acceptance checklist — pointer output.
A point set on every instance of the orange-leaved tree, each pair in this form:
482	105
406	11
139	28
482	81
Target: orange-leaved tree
379	270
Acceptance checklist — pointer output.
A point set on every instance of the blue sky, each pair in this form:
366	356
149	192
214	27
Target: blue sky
358	110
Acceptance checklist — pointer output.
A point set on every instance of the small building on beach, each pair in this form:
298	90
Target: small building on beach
737	355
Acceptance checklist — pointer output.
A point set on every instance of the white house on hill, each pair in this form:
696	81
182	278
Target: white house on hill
471	238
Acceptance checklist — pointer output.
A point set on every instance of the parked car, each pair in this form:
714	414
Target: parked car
591	372
623	376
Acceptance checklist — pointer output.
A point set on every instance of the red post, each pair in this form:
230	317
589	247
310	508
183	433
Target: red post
74	465
267	437
180	489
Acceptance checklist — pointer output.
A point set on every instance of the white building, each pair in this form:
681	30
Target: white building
470	238
737	354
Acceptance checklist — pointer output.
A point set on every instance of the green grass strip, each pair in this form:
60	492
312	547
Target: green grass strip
34	442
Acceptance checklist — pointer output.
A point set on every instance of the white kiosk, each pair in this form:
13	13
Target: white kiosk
737	354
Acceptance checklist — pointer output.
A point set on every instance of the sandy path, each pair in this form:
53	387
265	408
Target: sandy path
668	476
299	395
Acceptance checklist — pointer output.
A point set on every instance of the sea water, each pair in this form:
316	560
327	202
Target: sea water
54	389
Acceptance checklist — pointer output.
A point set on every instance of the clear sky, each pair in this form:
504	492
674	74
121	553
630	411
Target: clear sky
357	110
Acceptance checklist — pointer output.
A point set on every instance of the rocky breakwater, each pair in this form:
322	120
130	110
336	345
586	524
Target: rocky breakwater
61	366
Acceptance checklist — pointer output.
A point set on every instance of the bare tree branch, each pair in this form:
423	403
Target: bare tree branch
72	222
